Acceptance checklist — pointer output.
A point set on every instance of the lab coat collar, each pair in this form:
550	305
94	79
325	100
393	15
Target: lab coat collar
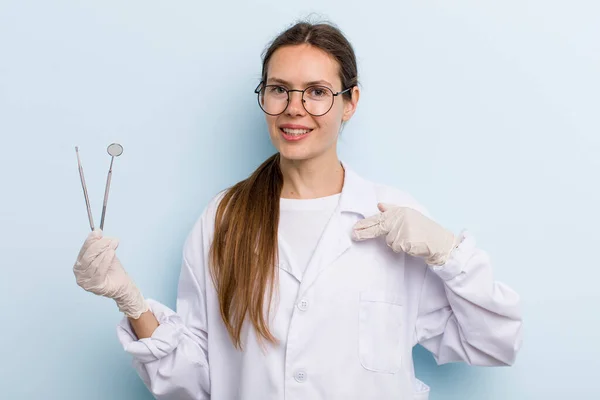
358	195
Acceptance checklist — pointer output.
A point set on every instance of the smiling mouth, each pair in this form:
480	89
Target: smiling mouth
295	132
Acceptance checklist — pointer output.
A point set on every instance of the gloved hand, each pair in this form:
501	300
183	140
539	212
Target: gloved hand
410	231
99	271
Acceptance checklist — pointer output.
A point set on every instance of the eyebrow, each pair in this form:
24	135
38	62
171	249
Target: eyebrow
284	82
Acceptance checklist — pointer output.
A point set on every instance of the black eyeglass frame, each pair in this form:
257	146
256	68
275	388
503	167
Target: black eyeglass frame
262	86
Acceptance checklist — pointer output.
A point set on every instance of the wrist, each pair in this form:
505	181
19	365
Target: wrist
145	325
131	302
440	258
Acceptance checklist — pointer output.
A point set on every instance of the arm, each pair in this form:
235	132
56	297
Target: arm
464	315
171	355
145	325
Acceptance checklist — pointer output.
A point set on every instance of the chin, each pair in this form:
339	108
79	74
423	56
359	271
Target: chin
297	154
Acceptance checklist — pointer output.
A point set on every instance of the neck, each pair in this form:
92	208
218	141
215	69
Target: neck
311	179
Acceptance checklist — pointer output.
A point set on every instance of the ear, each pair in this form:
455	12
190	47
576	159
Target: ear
350	105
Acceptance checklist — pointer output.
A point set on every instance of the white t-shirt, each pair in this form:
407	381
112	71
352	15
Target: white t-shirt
301	224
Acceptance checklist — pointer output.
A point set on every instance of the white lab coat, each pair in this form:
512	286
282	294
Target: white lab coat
347	329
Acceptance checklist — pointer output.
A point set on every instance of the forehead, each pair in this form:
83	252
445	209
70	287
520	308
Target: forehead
303	63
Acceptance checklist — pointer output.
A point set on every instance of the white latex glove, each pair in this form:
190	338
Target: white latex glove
99	271
410	231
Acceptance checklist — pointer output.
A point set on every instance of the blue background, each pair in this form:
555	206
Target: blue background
487	113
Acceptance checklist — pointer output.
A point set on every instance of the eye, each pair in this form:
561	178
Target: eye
276	89
317	92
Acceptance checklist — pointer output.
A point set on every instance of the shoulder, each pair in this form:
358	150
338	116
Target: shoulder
203	229
210	210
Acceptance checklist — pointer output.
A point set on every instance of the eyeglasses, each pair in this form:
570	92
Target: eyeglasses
316	100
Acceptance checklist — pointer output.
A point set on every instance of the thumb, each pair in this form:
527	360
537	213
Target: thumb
383	207
92	237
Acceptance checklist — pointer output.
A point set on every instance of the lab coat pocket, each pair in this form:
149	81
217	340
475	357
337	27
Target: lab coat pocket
380	331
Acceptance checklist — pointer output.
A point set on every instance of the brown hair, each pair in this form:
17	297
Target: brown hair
243	253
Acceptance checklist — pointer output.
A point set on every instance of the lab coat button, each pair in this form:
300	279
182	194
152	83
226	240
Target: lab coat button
300	376
303	305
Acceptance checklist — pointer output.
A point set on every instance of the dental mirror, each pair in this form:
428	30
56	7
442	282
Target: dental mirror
114	150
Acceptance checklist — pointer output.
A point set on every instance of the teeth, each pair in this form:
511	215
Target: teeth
296	132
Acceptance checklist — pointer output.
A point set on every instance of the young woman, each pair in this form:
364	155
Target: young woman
306	281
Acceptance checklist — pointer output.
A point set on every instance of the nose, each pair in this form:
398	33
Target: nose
295	107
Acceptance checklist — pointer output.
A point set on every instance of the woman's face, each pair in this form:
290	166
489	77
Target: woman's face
296	134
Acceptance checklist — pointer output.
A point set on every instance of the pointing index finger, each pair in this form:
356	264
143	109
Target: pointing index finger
369	228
